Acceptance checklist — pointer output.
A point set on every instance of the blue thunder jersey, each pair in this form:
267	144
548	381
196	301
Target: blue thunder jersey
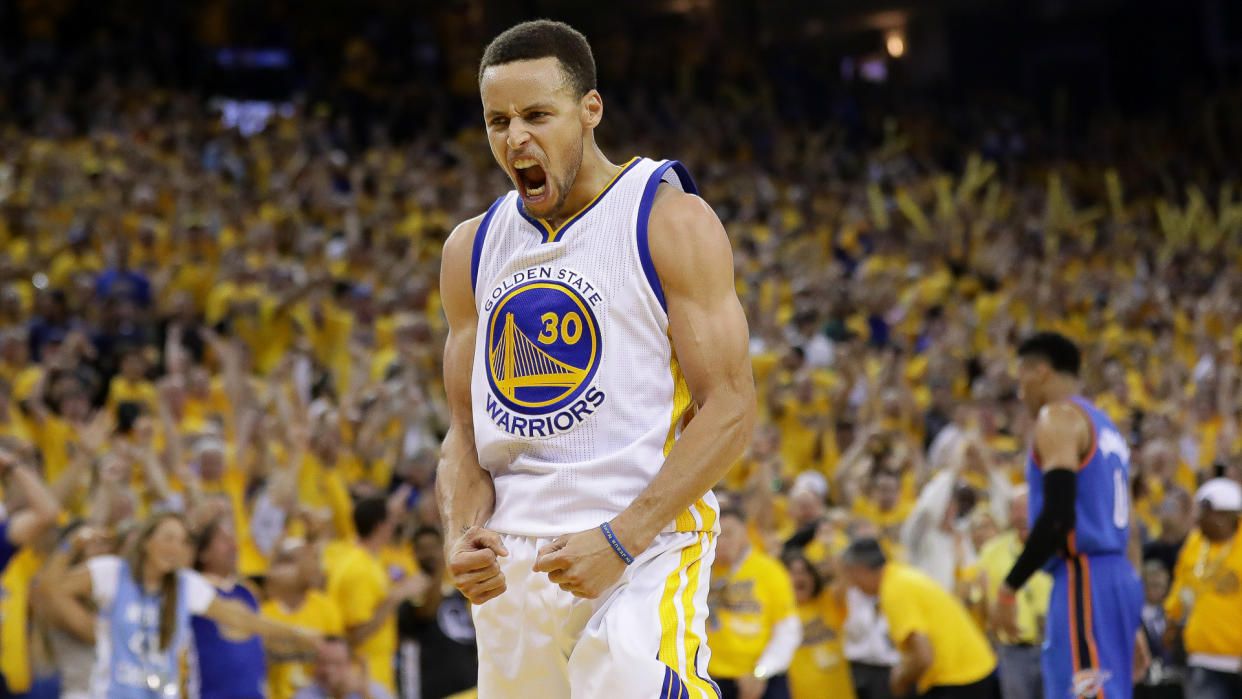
1095	607
221	668
1102	512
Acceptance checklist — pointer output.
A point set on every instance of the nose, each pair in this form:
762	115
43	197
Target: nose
518	135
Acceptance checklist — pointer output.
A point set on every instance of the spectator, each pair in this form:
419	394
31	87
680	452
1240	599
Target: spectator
339	675
360	585
1174	525
1205	604
1019	656
752	627
1164	676
223	666
438	655
145	602
818	667
293	600
943	653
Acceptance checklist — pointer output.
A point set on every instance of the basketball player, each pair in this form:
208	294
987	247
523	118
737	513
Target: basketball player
592	314
1079	476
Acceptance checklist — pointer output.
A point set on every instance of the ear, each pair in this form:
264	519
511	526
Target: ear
592	109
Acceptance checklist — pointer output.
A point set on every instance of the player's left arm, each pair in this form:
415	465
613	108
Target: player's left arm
708	329
1062	436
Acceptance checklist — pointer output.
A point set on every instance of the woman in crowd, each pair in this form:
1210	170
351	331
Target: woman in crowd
144	602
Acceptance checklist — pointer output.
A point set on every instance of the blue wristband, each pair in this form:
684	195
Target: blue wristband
616	545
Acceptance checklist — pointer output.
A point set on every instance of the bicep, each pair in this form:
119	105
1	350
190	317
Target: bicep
707	325
77	583
457	296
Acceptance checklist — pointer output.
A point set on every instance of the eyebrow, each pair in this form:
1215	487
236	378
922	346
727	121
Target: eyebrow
528	108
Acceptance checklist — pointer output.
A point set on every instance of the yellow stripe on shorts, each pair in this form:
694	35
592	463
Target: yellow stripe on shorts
676	626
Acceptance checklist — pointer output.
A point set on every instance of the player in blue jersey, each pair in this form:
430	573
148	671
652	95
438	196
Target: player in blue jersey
1079	474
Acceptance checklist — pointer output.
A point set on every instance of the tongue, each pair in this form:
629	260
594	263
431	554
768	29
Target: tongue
535	177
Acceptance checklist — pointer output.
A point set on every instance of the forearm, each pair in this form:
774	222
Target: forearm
710	444
779	653
464	489
41	500
908	671
360	633
1051	527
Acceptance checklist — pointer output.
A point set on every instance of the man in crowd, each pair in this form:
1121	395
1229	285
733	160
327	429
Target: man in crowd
340	675
368	600
753	627
1205	604
1020	674
943	653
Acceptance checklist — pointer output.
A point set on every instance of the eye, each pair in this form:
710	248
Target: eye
499	121
536	116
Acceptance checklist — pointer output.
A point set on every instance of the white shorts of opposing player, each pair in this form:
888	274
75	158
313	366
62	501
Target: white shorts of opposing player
644	638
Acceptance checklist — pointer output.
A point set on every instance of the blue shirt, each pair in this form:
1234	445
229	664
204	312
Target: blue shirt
7	548
221	668
127	651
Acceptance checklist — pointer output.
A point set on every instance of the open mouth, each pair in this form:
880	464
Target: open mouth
532	180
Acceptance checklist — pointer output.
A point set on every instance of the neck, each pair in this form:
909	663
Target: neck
372	543
1060	388
291	597
220	580
152	579
593	175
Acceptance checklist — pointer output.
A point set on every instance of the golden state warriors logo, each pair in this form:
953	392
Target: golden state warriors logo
543	350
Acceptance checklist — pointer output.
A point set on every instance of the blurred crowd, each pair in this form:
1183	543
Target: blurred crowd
247	331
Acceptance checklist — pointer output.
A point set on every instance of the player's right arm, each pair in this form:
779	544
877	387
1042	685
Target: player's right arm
1062	436
464	489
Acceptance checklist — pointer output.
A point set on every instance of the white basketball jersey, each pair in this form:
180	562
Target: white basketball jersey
577	393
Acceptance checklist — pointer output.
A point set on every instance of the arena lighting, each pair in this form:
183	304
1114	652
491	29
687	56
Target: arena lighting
895	43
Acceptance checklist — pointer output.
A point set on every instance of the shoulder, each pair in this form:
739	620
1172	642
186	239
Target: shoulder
1062	418
686	239
681	219
461	241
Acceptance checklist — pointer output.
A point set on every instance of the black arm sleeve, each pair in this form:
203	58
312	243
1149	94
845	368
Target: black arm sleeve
1052	526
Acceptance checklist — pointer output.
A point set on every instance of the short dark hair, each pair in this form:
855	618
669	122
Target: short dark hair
542	38
733	511
865	552
369	513
1058	350
427	530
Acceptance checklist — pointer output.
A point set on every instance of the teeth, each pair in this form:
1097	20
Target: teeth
536	191
523	163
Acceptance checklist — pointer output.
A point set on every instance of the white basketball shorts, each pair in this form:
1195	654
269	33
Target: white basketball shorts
644	638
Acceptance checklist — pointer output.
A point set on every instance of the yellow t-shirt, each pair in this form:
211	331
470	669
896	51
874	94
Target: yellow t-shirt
996	558
358	583
1210	577
14	617
121	389
286	675
867	509
743	611
914	603
819	668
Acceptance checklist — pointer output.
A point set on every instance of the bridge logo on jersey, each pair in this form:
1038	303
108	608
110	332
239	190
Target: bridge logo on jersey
543	350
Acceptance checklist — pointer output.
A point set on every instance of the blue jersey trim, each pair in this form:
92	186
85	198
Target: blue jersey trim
479	236
644	215
552	235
